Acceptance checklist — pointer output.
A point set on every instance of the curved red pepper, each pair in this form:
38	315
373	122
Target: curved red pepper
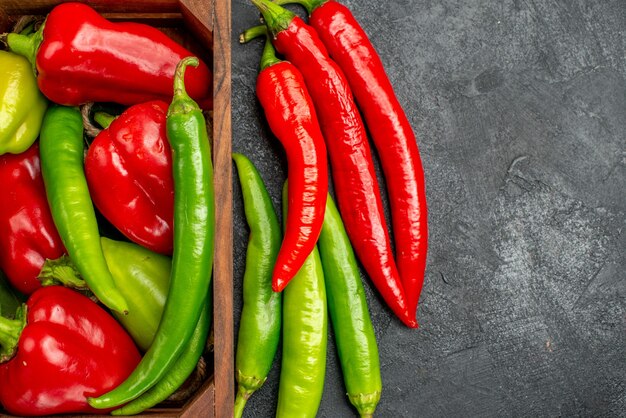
392	134
129	172
292	118
358	193
27	233
68	349
83	58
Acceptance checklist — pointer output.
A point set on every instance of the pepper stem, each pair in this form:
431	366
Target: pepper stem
10	331
268	57
26	45
252	33
276	18
61	271
240	404
104	119
181	102
309	5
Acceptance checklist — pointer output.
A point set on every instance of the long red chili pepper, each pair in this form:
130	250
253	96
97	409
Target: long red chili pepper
355	181
291	116
349	46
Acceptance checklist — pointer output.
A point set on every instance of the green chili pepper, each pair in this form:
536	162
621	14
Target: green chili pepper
22	106
354	333
61	151
177	375
194	218
305	325
259	328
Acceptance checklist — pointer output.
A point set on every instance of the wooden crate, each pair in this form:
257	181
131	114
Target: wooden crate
203	26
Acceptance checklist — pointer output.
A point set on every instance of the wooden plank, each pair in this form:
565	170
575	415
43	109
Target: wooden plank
223	267
113	6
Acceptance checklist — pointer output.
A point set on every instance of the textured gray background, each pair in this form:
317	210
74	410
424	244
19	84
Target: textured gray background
520	111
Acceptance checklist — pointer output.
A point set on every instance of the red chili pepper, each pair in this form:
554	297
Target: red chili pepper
358	194
82	57
349	46
129	172
291	116
64	349
27	233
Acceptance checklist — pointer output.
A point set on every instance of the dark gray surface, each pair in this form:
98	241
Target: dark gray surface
520	111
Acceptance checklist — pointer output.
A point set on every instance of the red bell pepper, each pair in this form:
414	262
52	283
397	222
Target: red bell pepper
27	233
81	57
129	172
65	347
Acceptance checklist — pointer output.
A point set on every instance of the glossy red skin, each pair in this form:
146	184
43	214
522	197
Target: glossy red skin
69	349
358	193
129	172
291	116
85	58
27	232
349	46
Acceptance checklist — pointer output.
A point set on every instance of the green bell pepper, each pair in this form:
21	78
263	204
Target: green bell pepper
22	106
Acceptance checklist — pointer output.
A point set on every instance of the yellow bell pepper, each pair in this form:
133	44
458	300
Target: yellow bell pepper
22	105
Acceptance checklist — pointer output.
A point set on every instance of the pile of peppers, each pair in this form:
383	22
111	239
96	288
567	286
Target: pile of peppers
321	100
106	242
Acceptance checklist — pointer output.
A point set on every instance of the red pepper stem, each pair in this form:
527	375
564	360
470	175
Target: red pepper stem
309	5
61	271
252	33
104	119
268	58
276	18
10	331
26	45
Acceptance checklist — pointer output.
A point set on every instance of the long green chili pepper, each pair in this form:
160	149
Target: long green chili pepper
305	326
259	328
178	373
194	218
354	333
61	151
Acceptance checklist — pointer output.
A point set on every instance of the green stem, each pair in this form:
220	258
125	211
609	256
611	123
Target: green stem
276	18
240	402
104	119
268	57
252	33
309	5
26	45
10	331
61	271
181	102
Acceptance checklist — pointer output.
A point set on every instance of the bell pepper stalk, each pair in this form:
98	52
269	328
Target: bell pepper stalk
128	168
79	57
60	349
28	235
22	105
